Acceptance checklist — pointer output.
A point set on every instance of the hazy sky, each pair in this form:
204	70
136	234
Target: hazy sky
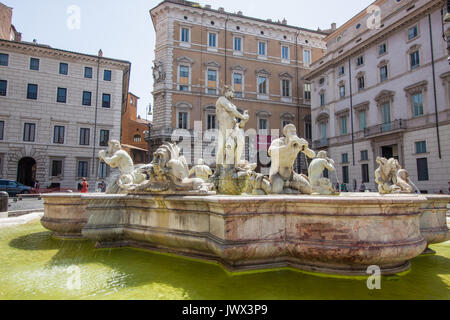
124	30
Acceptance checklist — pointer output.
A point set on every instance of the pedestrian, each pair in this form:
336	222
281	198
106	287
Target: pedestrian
362	188
103	186
85	186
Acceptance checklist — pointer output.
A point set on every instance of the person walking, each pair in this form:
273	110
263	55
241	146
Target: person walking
362	188
84	188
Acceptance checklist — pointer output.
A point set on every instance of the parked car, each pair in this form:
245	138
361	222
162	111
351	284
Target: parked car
13	188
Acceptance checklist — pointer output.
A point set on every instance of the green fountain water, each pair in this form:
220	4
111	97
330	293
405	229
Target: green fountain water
35	266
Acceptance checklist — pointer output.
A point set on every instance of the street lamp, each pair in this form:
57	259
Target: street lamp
149	146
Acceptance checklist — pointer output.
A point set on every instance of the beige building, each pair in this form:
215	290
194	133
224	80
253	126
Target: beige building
382	89
199	50
57	110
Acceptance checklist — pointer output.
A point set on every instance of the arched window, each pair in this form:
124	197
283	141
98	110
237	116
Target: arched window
137	138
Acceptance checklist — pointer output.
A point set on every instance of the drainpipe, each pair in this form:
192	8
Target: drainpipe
96	115
434	89
226	29
351	107
299	164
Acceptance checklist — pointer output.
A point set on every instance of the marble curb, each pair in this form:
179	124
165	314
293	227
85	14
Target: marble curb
17	221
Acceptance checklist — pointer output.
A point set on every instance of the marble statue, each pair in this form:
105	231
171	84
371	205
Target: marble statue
319	184
201	171
283	153
391	178
115	157
169	172
231	141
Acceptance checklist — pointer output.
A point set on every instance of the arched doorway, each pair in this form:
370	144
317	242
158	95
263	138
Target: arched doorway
26	171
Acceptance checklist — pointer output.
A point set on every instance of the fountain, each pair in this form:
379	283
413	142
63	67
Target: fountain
247	221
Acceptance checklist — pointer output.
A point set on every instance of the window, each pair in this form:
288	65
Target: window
238	44
58	134
323	131
345	174
365	173
322	99
107	75
414	59
421	147
106	100
4	59
212	40
63	68
342	92
84	136
32	91
417	101
362	120
263	124
262	85
62	95
137	138
361	83
386	116
307	91
344	125
3	87
345	158
286	88
383	73
82	169
360	61
57	168
237	84
306	57
413	32
87	97
102	170
34	64
182	120
422	169
285	52
341	70
308	130
104	138
212	81
261	48
88	72
2	129
382	49
185	35
29	132
211	124
184	78
321	81
364	155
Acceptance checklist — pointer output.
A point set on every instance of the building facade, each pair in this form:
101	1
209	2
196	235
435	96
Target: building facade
200	50
134	131
7	30
382	89
57	110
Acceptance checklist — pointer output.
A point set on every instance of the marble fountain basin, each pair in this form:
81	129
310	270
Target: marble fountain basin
341	235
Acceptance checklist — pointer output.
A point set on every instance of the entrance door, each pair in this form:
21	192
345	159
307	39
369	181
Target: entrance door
387	152
26	171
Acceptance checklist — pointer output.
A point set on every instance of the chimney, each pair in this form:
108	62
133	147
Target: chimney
100	53
208	6
221	10
333	26
284	21
239	13
34	41
269	20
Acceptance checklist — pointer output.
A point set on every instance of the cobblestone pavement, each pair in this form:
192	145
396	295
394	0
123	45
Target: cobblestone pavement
26	204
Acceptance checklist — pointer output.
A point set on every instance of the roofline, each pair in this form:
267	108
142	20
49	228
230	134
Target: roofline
133	95
239	16
45	47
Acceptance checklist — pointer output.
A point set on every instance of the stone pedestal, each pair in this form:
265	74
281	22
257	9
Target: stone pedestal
336	235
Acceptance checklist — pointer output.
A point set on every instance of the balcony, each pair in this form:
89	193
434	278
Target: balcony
385	128
322	143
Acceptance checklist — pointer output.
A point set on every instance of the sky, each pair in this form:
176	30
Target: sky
124	29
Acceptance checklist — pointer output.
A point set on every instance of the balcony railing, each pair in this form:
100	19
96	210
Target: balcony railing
322	143
385	128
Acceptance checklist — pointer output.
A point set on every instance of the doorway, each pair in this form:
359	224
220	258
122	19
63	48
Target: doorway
390	152
26	171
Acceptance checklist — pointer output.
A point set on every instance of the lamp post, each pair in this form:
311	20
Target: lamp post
149	145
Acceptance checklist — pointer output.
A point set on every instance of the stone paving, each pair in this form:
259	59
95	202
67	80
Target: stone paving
17	221
26	204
